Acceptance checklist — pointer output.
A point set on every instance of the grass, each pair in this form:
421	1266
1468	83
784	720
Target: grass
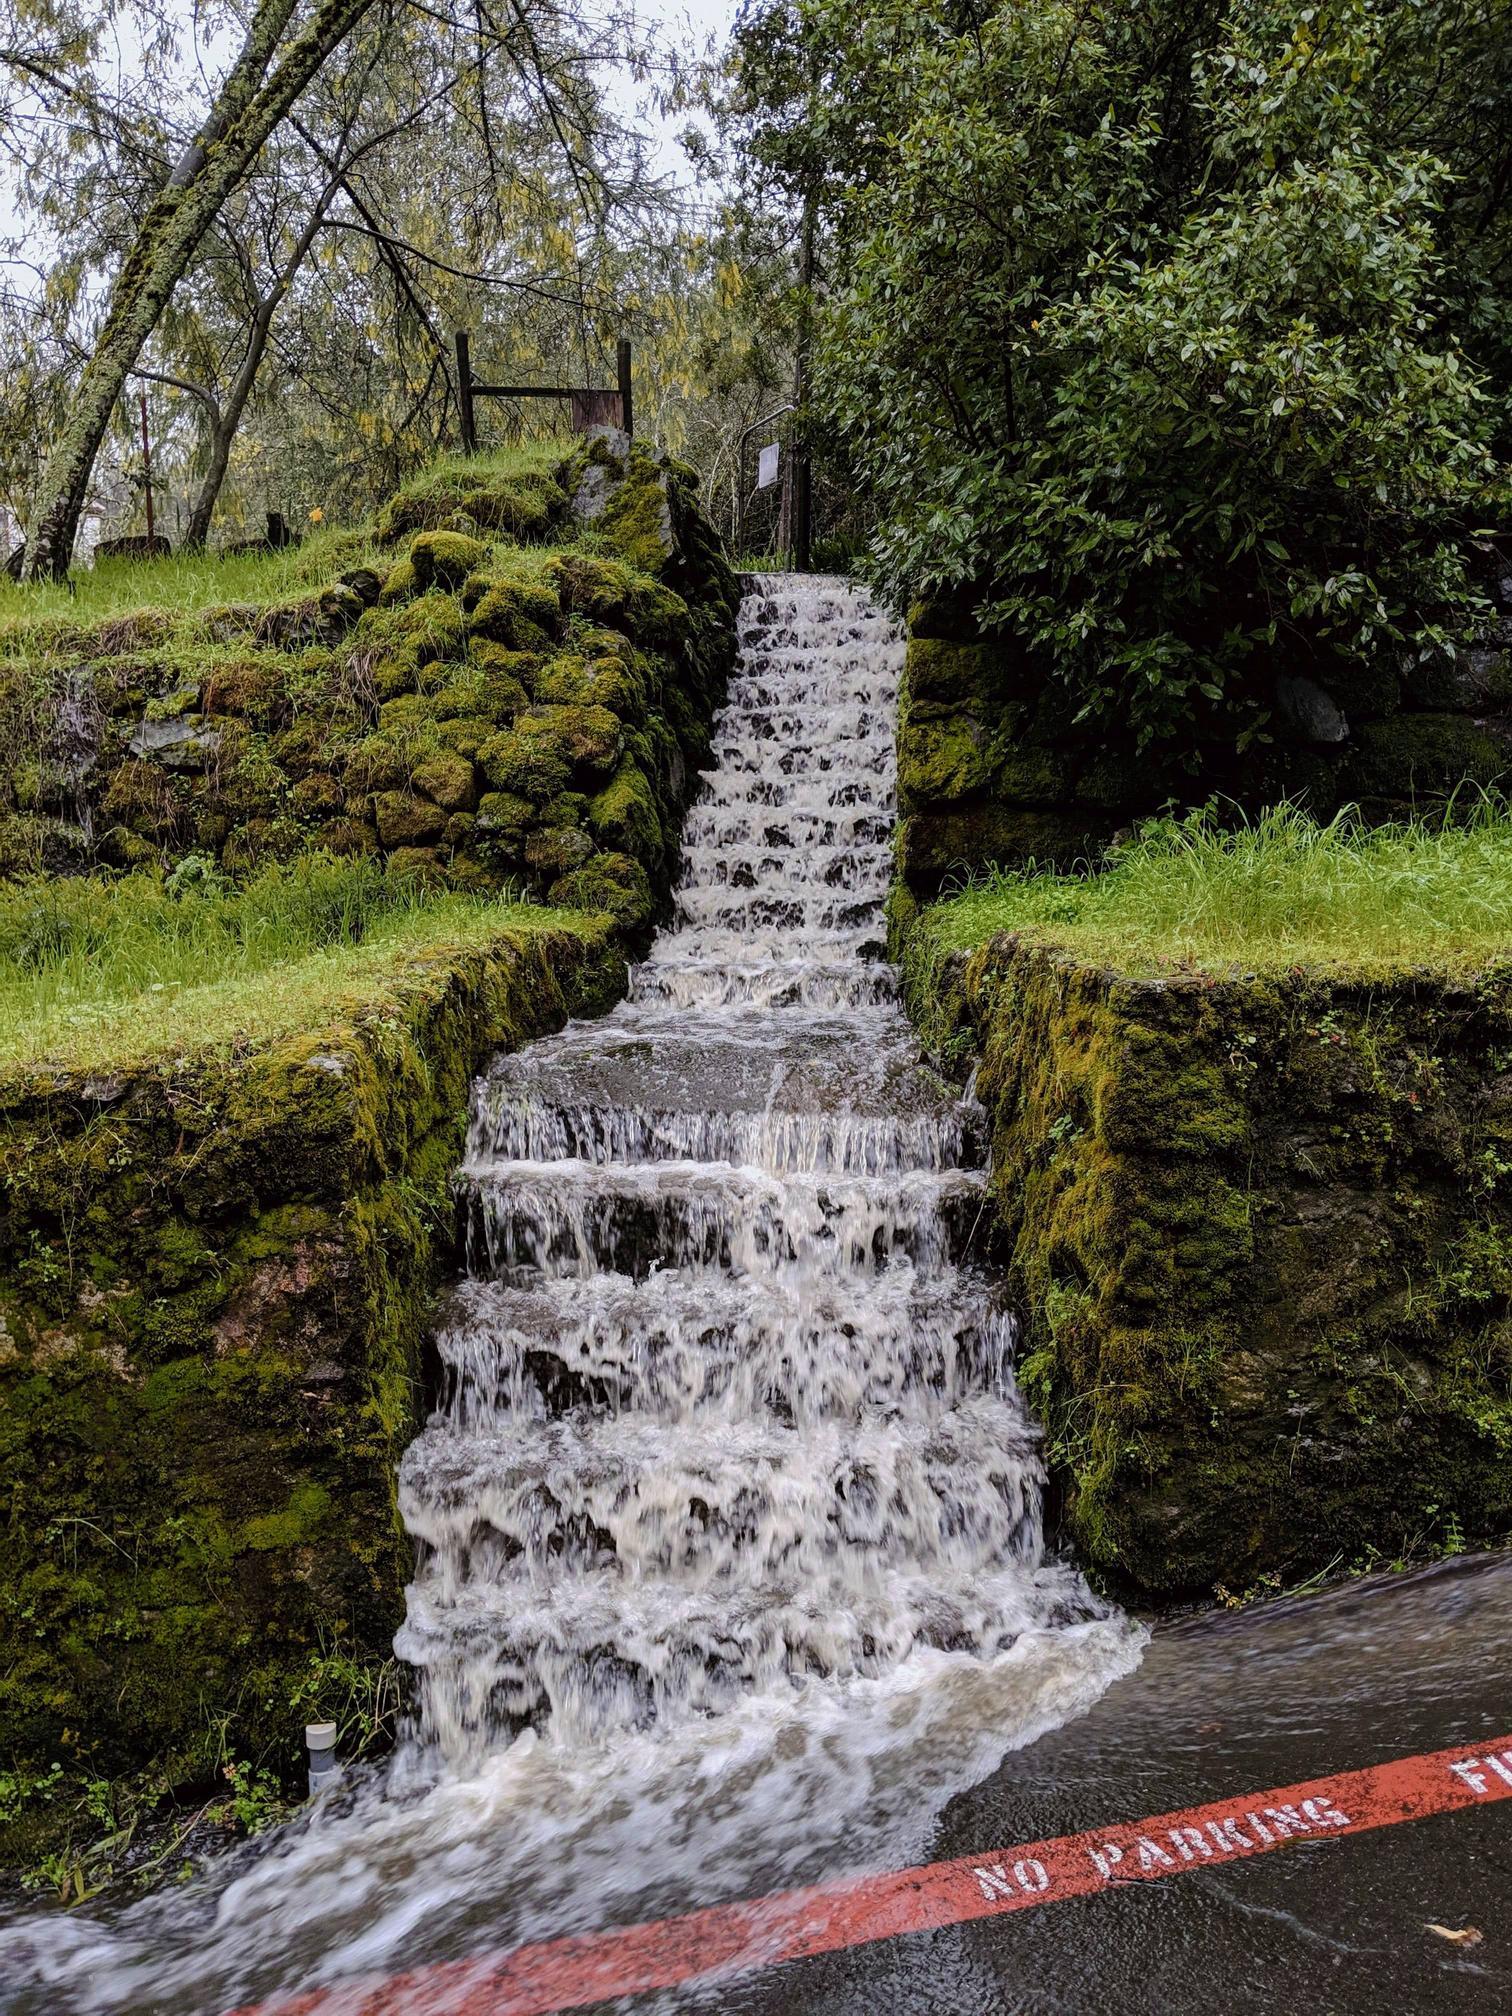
183	585
1282	890
103	975
190	582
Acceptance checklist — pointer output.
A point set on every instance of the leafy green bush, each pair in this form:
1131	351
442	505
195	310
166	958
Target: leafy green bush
1140	327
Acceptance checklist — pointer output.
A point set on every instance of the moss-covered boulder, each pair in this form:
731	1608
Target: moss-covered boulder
445	559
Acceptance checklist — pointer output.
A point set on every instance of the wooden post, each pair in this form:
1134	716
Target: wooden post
147	477
465	394
622	358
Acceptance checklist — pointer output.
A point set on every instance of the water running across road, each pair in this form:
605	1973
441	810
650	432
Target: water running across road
731	1560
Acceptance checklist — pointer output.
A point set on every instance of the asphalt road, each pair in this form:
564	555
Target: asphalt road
1223	1705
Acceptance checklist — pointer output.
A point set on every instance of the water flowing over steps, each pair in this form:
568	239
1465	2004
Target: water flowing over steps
728	1403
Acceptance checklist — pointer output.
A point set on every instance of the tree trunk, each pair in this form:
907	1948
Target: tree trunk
169	236
223	431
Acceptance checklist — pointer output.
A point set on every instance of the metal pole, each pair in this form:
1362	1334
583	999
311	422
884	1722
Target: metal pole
465	393
147	477
622	360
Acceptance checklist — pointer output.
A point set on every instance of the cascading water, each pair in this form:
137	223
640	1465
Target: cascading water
731	1566
725	1411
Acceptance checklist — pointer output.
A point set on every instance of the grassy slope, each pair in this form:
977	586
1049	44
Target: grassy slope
97	974
1280	893
191	582
107	976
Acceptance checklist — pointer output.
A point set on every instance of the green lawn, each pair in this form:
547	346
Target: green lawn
99	975
1281	891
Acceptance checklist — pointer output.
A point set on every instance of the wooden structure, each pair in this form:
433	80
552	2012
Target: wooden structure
592	405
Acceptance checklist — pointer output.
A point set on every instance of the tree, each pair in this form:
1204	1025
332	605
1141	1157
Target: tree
259	90
1141	335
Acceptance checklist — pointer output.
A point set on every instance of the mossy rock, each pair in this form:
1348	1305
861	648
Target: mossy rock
401	584
941	762
518	507
318	796
522	615
377	763
447	780
623	817
592	738
407	821
600	642
659	616
527	761
557	850
248	688
638	519
612	883
573	681
445	559
465	734
603	591
311	744
489	686
506	813
955	673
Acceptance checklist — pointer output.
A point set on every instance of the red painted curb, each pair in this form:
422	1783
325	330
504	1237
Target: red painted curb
573	1972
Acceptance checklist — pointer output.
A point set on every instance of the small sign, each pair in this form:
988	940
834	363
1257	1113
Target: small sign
766	468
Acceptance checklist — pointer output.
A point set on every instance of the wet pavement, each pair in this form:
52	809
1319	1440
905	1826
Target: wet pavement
1221	1706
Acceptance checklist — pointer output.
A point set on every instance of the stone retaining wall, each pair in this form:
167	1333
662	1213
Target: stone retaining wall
1261	1234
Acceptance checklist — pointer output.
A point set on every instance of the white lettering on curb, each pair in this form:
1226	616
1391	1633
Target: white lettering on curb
1471	1770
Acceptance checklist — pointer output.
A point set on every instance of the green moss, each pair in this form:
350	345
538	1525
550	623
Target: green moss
213	1300
407	821
296	1526
609	883
527	761
401	584
522	613
445	559
946	672
1238	1253
638	521
591	738
602	591
573	681
448	780
939	761
623	817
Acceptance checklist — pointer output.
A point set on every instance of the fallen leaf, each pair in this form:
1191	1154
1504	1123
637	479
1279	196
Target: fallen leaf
1467	1935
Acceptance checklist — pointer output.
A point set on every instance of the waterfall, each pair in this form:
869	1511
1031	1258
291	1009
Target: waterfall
730	1565
728	1408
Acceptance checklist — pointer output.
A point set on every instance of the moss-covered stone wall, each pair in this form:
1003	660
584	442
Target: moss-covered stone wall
1260	1231
995	767
514	686
213	1277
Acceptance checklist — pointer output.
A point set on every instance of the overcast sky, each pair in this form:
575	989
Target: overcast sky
685	22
